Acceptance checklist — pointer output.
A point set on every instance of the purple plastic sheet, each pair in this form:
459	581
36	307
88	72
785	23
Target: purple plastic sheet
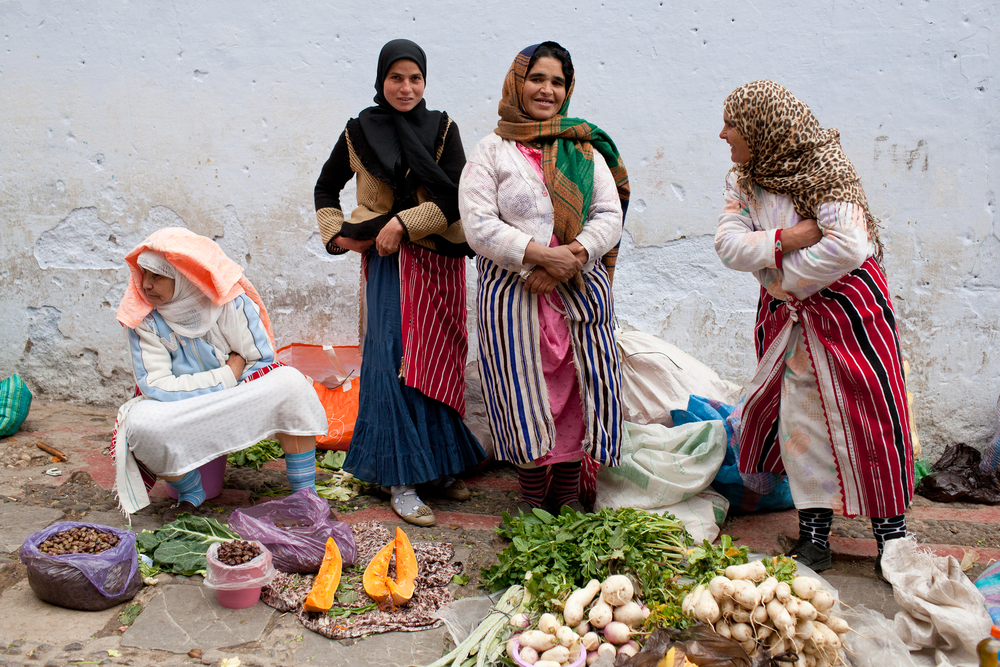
295	530
88	582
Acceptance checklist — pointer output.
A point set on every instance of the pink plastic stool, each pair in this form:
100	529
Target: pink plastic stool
241	599
213	474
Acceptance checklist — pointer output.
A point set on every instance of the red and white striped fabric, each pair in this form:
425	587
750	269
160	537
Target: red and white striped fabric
850	329
435	340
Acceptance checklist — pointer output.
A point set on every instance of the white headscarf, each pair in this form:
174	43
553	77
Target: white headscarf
190	312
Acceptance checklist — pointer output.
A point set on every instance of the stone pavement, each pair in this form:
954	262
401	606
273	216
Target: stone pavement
179	614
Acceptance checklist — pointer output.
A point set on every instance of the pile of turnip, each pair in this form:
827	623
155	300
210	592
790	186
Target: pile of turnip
612	619
759	612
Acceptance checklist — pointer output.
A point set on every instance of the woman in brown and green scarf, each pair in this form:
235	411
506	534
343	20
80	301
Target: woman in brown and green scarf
542	202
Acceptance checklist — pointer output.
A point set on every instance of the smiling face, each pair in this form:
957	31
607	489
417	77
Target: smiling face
739	150
544	89
404	85
157	289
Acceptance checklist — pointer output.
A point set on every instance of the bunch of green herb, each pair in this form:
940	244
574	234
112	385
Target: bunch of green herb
181	547
332	460
552	555
340	486
781	568
707	561
257	455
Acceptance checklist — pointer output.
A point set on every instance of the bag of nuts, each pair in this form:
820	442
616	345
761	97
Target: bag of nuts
83	566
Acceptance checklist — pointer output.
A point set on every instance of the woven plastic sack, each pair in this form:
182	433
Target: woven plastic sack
88	582
15	400
335	372
295	530
258	572
662	466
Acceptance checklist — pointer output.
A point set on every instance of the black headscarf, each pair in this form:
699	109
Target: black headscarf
405	140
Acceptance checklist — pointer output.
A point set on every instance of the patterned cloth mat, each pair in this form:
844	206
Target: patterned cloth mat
434	572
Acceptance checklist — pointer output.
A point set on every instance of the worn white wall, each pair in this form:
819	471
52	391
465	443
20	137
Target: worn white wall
119	118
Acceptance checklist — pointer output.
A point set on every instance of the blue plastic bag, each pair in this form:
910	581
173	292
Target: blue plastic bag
15	400
88	582
728	481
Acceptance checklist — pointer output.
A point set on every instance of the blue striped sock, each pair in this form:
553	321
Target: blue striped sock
189	488
301	470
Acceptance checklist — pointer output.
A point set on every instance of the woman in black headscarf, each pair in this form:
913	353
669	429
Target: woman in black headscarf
406	227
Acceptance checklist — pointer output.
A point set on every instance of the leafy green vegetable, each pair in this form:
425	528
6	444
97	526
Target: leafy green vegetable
257	455
181	546
344	612
707	561
128	615
552	555
333	460
341	486
781	568
460	579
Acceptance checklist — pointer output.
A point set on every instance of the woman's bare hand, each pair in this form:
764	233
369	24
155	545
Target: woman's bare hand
540	281
579	251
353	244
388	240
805	233
237	364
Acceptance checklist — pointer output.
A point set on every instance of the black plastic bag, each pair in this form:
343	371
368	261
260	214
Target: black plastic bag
956	477
88	582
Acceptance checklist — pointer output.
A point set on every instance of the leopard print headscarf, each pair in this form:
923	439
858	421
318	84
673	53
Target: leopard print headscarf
791	154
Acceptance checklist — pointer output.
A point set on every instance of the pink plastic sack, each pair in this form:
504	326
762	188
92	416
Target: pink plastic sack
256	573
295	530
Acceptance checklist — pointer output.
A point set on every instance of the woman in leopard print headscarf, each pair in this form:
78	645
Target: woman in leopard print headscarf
827	406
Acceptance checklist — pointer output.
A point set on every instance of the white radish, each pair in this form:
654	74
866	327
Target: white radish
783	623
782	592
574	652
766	590
754	571
600	614
616	633
591	658
837	624
628	649
823	601
616	590
746	594
548	623
722	629
520	621
804	628
529	655
607	649
591	641
566	636
511	646
630	614
707	610
538	640
763	632
691	599
721	587
582	629
578	601
822	616
792	605
727	606
806	610
558	654
806	587
741	632
749	645
759	615
741	616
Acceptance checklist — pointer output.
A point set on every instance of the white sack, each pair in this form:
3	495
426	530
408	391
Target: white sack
658	377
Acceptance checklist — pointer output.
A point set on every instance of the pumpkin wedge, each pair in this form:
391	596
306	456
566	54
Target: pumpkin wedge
324	589
378	585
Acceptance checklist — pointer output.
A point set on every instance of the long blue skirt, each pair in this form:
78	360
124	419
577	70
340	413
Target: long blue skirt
401	436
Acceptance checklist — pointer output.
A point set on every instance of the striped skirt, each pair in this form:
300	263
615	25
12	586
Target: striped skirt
852	344
510	362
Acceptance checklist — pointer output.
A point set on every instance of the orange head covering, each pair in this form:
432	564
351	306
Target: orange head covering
201	261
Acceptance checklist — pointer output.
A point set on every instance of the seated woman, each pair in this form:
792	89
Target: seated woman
828	404
544	211
207	381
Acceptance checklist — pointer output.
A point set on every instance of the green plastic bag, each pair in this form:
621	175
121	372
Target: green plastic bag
15	399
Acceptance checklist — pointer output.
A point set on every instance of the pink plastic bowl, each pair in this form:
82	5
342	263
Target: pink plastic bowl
241	599
212	475
517	657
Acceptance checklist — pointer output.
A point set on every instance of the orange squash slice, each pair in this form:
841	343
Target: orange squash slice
378	585
325	585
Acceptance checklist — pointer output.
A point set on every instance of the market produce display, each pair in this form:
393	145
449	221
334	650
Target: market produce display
79	540
180	547
386	592
325	585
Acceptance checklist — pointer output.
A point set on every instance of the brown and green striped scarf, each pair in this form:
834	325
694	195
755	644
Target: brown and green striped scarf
567	155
